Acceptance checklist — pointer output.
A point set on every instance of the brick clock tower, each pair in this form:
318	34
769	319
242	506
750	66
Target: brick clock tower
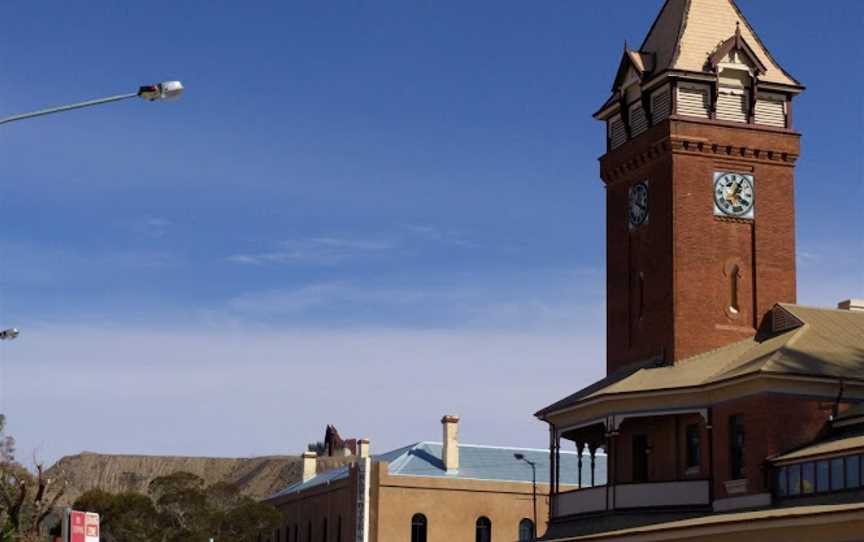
699	173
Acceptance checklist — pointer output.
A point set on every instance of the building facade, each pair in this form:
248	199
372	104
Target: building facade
715	377
427	492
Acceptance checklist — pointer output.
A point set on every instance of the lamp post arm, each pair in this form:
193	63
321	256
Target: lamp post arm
70	107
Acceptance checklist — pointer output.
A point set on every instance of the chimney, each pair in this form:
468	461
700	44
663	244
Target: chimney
310	465
851	305
363	448
450	443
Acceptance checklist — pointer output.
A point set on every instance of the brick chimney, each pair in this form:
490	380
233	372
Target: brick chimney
851	305
310	465
450	443
363	448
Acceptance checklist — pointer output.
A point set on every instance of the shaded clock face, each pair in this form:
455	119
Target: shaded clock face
733	194
637	204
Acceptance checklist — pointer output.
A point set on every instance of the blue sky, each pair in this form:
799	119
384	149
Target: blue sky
363	213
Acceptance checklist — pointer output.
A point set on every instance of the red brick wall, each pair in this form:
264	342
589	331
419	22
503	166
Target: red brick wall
685	251
647	249
773	424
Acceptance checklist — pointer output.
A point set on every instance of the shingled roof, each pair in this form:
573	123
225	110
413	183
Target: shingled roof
805	341
686	32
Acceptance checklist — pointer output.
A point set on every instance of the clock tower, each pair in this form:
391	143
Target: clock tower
699	170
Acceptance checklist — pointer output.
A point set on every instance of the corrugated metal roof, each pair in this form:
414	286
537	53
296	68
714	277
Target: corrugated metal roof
829	344
490	463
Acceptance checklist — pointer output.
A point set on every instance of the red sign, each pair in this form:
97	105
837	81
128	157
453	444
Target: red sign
83	526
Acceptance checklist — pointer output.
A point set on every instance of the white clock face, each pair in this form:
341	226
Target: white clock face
734	195
637	204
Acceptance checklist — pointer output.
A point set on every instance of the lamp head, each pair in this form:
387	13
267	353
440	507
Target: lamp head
167	90
519	457
9	334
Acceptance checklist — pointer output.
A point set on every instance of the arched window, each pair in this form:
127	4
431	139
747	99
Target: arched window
324	530
296	533
418	528
483	530
526	530
734	278
339	529
309	531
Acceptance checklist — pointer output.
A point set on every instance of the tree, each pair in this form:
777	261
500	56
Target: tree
179	508
26	501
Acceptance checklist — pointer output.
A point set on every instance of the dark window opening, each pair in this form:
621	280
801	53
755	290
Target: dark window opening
734	278
418	528
526	530
640	458
324	530
736	446
694	446
483	530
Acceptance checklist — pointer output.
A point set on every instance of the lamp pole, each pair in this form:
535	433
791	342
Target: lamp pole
521	457
169	90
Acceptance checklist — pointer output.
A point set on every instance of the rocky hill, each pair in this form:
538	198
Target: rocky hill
256	477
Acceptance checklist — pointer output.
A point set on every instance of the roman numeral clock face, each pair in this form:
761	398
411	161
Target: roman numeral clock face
733	195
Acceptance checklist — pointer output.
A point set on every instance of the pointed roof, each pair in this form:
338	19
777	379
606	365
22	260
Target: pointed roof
687	33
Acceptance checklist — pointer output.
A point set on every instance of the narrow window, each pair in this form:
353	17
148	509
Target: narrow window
278	535
808	478
309	531
324	530
822	476
734	278
418	528
641	294
483	530
838	478
694	451
736	446
526	530
853	472
640	458
795	480
339	529
782	491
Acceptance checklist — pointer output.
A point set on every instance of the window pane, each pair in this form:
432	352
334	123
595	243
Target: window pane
808	478
781	482
795	480
822	476
838	475
526	530
853	472
693	446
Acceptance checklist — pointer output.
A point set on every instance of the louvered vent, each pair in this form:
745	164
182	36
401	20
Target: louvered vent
771	110
783	320
617	133
693	101
732	107
638	120
661	105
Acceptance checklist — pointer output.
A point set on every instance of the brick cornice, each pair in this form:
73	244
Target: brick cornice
676	144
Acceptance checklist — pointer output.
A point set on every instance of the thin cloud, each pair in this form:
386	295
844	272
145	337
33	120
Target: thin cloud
316	250
152	227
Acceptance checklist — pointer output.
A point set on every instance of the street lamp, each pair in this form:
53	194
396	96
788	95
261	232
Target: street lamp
521	457
9	334
168	90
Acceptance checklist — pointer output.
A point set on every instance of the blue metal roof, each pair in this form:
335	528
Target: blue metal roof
493	463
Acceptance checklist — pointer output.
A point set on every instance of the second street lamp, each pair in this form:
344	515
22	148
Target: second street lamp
168	90
521	457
